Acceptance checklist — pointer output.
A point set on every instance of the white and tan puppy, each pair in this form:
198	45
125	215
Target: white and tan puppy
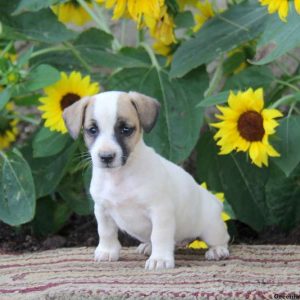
137	190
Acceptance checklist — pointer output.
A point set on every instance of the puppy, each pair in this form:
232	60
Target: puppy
137	190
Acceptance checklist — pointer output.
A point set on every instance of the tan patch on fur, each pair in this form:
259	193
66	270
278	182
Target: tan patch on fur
74	116
88	122
147	108
127	113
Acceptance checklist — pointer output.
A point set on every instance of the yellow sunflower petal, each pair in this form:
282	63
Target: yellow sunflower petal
74	86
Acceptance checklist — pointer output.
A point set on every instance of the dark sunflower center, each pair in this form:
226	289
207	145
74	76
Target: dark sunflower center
68	99
4	125
250	126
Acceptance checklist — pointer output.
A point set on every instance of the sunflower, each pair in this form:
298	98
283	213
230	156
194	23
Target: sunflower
204	13
135	9
8	128
280	6
72	12
62	94
152	14
162	29
246	126
197	244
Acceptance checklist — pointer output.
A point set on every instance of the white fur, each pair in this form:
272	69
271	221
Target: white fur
151	198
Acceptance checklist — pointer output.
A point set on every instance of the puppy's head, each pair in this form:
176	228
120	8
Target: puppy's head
112	123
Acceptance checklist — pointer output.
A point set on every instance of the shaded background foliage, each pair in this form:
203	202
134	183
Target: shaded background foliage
44	178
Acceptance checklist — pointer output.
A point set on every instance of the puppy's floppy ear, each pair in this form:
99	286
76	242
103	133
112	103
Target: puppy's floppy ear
73	116
147	109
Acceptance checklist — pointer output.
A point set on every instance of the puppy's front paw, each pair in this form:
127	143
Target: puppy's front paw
217	253
144	248
159	263
107	254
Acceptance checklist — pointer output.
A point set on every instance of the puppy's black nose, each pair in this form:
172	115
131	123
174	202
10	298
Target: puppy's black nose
107	158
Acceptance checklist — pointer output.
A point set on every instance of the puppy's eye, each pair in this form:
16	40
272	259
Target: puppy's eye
93	130
126	130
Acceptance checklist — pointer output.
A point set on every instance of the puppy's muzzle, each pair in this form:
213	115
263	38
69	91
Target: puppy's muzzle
107	158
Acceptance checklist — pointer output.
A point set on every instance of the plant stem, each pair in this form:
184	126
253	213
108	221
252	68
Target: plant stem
24	118
215	80
284	100
295	88
78	56
99	21
47	50
291	109
6	49
151	55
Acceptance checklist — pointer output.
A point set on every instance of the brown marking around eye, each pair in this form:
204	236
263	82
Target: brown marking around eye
88	122
127	114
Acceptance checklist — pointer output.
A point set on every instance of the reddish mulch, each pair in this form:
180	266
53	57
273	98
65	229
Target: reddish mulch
82	231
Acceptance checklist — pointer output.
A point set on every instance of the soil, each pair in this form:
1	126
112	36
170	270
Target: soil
82	231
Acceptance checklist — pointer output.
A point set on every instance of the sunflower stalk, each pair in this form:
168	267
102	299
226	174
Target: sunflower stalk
48	50
286	100
151	55
78	56
285	83
99	20
24	118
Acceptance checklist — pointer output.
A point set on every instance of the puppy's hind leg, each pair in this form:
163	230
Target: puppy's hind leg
144	248
216	237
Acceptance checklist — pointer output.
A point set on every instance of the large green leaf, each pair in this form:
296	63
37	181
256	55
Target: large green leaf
50	216
178	126
95	46
242	182
282	197
279	37
17	192
49	171
254	77
40	26
48	143
288	144
4	97
34	5
41	76
220	98
224	32
72	190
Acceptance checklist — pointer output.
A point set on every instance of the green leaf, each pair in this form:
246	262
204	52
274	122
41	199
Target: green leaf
49	171
184	19
282	197
254	77
95	46
72	190
278	38
41	26
17	192
214	100
48	143
34	5
4	97
50	216
24	57
178	126
41	76
242	183
237	25
288	144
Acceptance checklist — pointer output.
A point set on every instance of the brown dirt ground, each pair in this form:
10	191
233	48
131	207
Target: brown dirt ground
82	231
